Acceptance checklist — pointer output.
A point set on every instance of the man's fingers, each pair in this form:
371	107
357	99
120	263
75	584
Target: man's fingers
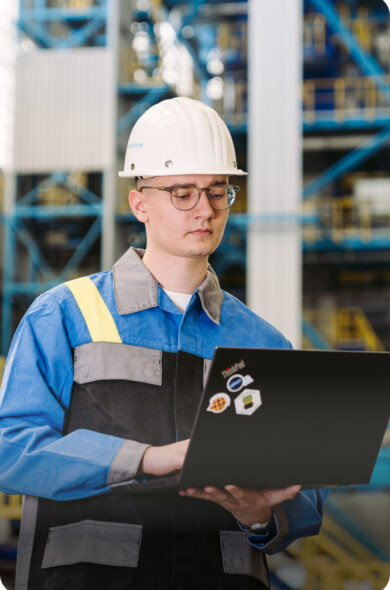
236	492
208	493
293	490
192	492
277	496
216	494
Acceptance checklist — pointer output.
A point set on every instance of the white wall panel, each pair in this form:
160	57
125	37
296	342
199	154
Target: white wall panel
63	110
8	48
274	183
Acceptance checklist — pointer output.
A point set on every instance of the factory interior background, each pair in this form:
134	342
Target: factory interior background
304	87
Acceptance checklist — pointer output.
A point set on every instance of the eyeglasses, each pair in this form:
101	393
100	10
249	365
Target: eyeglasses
186	197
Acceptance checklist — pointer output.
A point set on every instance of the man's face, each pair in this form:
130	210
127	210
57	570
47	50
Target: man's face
194	233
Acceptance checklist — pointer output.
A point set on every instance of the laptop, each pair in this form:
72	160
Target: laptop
274	418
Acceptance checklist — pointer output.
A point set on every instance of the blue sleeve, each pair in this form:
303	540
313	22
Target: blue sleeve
35	457
300	517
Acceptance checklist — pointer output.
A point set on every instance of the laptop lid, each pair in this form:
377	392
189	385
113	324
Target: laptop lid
274	418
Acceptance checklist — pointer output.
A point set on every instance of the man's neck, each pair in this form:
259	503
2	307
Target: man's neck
176	273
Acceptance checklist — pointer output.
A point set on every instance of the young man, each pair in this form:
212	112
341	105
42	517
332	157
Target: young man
94	393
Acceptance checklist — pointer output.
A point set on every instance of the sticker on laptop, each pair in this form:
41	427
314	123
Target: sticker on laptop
218	403
237	382
248	402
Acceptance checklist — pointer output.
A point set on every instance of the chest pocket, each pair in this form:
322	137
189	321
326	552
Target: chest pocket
99	361
117	386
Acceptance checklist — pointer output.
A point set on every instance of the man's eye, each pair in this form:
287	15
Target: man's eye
218	194
182	194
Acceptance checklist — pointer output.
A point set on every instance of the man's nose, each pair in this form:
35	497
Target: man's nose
204	207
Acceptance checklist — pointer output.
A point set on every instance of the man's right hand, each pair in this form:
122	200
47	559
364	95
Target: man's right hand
165	459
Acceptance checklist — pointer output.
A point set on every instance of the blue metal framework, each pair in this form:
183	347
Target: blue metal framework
330	122
151	95
349	162
40	274
82	26
367	63
23	224
370	67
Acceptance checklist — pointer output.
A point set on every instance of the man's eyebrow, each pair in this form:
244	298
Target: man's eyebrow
221	182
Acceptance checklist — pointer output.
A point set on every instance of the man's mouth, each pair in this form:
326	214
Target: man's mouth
201	231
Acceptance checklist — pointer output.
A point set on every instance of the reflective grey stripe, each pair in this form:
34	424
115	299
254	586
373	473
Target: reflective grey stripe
90	541
126	461
96	361
239	557
282	525
26	541
206	369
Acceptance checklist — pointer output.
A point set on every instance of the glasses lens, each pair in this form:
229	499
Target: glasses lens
222	197
184	197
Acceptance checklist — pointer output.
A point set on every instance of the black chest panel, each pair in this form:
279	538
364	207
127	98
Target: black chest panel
180	547
152	414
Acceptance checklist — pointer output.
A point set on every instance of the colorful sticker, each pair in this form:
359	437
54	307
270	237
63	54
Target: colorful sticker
248	402
218	403
237	382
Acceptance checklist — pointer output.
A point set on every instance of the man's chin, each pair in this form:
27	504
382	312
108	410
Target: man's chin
204	252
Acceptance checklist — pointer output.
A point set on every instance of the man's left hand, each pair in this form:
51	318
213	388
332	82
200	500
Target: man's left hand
248	506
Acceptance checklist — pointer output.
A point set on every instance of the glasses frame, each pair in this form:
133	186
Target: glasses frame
170	189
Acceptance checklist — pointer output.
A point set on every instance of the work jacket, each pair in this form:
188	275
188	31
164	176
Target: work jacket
94	377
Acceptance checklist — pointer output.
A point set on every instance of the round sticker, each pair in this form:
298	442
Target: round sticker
218	403
235	382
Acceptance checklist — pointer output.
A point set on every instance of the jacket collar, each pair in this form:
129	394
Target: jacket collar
135	288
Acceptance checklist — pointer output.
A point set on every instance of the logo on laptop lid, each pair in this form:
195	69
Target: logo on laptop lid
248	402
218	403
233	369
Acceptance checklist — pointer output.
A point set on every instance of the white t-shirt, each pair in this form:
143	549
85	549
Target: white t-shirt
181	300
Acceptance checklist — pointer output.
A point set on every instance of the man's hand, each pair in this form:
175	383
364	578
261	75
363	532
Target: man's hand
249	506
165	459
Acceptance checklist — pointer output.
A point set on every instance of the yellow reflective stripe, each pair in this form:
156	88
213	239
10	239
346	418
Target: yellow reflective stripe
96	314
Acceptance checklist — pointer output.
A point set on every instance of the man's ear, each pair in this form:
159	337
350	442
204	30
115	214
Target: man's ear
137	204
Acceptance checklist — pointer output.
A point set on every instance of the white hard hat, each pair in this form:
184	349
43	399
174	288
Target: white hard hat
180	136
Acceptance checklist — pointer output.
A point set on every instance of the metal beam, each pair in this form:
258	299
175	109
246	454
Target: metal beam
50	212
331	123
314	335
351	526
150	98
349	162
32	249
82	249
34	22
367	63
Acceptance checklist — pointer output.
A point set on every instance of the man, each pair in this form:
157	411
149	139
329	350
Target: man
94	393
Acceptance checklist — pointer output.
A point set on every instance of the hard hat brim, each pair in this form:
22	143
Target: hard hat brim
171	172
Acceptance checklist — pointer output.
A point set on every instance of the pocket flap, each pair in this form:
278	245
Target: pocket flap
90	541
97	361
239	557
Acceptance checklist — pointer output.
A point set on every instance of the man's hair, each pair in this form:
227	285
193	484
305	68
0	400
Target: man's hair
138	181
